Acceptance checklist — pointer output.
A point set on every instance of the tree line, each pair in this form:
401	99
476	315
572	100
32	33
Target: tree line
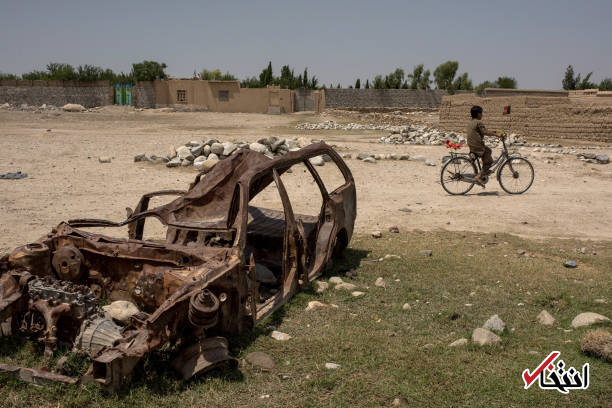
572	81
56	71
445	76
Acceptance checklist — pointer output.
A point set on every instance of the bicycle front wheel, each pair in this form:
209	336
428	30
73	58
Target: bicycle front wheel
516	175
457	175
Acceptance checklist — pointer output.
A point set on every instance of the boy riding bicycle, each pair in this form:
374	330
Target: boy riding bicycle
476	131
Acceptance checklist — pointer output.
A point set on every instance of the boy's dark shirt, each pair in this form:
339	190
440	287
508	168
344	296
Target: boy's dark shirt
475	136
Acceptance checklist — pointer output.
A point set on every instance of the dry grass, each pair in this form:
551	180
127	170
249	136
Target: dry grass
598	343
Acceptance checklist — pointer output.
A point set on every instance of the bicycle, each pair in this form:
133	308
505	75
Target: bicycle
515	174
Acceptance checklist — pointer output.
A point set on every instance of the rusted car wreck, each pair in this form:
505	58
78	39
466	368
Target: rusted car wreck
200	284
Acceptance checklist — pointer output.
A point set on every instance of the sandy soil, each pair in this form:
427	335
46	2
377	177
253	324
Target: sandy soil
568	199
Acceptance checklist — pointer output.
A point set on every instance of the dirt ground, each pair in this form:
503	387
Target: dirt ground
569	199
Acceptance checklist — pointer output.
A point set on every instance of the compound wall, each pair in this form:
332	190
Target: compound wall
533	116
383	98
143	94
57	93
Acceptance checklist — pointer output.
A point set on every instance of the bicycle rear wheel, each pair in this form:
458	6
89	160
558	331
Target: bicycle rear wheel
456	175
516	175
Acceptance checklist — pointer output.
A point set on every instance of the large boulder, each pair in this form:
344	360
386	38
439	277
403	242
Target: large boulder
73	107
184	152
217	148
587	319
258	147
484	337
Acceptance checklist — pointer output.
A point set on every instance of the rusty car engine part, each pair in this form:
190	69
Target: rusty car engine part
200	284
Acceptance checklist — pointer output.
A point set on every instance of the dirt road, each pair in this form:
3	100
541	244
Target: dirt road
568	199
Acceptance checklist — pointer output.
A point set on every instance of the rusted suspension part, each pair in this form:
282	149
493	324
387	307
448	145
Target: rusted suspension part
203	309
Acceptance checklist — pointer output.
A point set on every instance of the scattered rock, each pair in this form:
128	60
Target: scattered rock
376	234
484	337
494	323
400	402
121	310
104	159
321	286
459	342
345	286
335	280
429	162
183	152
405	209
315	304
426	252
73	107
394	229
216	148
332	366
260	360
587	319
369	160
61	364
545	318
380	282
317	161
280	336
174	162
357	293
406	306
140	157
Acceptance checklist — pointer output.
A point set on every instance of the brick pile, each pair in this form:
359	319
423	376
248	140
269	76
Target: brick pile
533	116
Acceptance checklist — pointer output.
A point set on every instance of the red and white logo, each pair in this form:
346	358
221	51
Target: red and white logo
557	376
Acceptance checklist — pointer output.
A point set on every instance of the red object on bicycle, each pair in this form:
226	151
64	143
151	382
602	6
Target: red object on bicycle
452	145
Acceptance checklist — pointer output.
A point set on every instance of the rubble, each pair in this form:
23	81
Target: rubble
203	155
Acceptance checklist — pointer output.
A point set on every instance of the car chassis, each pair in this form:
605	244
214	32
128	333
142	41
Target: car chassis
199	285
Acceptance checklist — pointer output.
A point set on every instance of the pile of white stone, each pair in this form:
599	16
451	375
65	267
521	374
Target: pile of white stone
332	125
203	155
423	135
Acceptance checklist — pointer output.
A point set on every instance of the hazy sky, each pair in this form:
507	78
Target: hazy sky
338	41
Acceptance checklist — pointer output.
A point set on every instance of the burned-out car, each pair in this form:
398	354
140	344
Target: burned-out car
224	266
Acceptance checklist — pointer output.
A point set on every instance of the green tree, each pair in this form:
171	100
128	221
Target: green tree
314	82
379	83
416	76
338	85
287	80
367	86
569	82
486	84
506	82
395	79
148	71
358	84
444	75
251	82
425	81
266	77
10	77
89	73
305	83
35	75
605	84
585	83
61	72
463	83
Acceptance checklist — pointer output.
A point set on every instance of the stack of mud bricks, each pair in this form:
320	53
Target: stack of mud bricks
533	116
56	93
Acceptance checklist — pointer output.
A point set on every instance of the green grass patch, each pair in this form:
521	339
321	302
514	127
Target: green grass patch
386	352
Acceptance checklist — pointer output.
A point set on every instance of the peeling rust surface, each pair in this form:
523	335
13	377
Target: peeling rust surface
197	286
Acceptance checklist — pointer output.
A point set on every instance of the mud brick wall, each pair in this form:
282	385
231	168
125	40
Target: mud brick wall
532	116
143	94
57	93
383	98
